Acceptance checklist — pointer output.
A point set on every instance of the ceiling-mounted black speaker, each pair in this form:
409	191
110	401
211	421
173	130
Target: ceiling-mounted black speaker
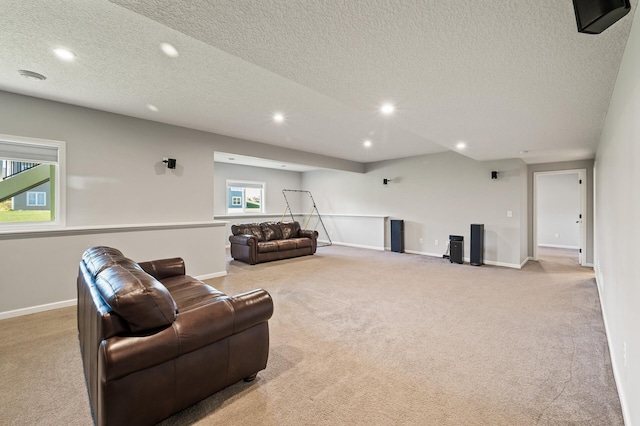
595	16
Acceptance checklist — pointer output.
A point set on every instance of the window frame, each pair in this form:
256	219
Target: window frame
242	210
59	188
37	195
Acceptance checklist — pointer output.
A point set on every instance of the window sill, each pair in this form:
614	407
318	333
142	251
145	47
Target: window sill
101	229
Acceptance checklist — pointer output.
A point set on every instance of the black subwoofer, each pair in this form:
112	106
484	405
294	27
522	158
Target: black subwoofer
595	16
456	249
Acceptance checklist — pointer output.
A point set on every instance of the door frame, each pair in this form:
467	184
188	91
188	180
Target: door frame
582	175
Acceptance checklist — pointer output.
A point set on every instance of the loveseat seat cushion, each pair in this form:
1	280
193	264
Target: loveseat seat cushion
248	229
142	301
190	293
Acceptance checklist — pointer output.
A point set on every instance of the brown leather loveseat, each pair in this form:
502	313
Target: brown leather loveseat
262	242
155	341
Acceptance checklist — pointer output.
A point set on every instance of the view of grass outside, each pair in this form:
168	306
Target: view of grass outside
8	215
25	216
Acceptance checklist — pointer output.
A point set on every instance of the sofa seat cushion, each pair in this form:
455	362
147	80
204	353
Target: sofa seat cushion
190	293
268	247
141	300
286	245
302	242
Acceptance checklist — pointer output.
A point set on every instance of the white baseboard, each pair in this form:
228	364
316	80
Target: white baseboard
36	309
559	246
338	243
626	415
73	302
209	276
423	253
506	265
467	260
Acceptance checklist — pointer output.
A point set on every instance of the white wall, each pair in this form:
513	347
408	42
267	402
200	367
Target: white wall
617	230
436	195
557	210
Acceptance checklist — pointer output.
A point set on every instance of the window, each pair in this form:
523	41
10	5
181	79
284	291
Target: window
245	197
31	182
36	199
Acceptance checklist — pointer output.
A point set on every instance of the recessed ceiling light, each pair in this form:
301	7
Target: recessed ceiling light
461	145
31	75
367	143
64	54
387	109
153	108
278	117
169	50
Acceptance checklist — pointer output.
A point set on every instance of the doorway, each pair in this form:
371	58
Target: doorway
559	215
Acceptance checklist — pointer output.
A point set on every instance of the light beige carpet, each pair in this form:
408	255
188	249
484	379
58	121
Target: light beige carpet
377	338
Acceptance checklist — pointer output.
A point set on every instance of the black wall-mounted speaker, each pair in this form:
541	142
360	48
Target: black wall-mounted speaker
595	16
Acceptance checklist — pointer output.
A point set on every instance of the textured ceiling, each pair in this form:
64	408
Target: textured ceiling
503	76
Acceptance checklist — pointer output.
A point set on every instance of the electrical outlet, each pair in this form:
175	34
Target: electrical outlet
509	213
624	353
435	242
420	241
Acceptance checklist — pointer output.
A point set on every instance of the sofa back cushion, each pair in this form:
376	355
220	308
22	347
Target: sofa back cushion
248	229
290	229
136	296
271	231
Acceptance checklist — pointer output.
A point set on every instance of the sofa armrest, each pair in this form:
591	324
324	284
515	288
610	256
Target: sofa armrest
309	233
244	239
164	268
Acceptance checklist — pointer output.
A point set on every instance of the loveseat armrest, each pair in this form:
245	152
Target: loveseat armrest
193	329
309	233
251	308
244	239
164	268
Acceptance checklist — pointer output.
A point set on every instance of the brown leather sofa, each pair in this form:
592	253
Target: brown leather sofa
155	341
262	242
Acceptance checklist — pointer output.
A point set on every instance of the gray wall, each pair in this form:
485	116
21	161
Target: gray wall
436	195
617	231
275	180
558	209
114	168
566	165
115	176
